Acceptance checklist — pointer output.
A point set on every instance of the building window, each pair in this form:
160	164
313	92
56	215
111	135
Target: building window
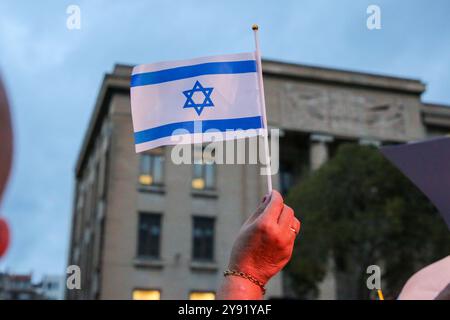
203	239
202	295
149	235
204	175
142	294
151	170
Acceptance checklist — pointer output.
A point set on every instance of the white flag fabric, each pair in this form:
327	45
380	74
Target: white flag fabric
195	100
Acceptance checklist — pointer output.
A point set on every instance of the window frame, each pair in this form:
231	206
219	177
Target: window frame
139	249
194	252
203	167
150	171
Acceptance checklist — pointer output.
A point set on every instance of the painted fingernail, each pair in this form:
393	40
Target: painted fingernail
266	198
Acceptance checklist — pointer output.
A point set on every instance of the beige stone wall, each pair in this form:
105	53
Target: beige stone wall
343	111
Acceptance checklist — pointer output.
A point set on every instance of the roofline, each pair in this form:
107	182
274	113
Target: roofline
335	76
110	83
436	105
343	77
120	78
437	115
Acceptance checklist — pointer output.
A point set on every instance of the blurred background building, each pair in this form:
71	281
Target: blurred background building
22	287
52	287
17	287
145	228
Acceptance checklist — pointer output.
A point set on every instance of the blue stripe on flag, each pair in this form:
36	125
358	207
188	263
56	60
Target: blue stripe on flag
229	67
218	125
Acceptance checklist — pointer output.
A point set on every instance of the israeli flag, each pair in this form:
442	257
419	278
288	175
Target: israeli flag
198	100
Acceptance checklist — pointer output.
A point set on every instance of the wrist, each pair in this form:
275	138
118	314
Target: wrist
237	288
247	268
246	276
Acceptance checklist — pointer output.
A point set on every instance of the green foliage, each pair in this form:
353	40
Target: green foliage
359	210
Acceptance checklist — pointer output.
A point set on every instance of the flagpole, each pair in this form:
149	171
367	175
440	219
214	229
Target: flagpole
263	102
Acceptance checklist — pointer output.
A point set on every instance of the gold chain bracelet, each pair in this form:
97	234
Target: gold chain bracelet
245	276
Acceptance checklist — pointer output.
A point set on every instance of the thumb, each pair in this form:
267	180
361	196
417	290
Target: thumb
262	206
274	207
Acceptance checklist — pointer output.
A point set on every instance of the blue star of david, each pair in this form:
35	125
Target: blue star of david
198	107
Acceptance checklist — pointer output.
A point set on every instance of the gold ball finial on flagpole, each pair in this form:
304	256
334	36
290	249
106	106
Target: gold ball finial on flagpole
255	27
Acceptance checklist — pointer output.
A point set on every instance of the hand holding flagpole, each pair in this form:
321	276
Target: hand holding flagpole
263	104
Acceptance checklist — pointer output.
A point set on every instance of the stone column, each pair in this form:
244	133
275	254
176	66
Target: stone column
318	150
328	286
319	154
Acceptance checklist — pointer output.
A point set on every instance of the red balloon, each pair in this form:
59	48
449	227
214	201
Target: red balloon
4	237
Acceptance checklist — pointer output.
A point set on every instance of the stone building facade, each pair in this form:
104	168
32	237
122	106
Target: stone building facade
145	228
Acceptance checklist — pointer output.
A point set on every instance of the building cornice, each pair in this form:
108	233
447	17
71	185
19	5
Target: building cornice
436	115
111	83
343	77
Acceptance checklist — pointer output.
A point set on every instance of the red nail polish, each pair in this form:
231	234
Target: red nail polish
266	198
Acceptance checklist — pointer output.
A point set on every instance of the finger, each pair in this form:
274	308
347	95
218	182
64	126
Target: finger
296	225
286	217
294	230
273	209
265	201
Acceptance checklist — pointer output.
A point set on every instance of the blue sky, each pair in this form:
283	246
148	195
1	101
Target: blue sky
53	76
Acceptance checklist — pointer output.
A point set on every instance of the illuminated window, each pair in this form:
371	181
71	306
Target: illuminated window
149	235
146	294
201	295
204	175
203	239
152	167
